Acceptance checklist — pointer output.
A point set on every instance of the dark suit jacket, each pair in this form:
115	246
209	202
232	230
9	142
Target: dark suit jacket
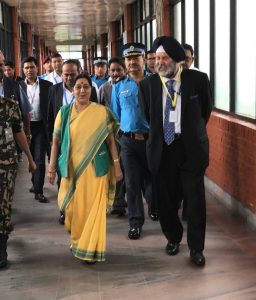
196	106
56	102
44	86
11	89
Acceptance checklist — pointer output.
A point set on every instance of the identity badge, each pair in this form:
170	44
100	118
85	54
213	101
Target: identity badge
8	134
173	117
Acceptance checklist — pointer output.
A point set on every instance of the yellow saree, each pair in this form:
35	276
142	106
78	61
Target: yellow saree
82	195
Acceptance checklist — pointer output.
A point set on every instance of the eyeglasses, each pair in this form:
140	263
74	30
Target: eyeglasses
80	86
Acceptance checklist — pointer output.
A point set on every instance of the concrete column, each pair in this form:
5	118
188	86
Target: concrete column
163	17
128	24
112	37
29	40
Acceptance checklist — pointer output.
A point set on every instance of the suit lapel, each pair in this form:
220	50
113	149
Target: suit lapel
24	86
157	101
183	95
60	93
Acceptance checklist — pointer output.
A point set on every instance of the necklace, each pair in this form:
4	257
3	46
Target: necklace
81	109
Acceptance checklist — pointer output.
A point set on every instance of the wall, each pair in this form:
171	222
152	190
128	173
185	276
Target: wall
233	157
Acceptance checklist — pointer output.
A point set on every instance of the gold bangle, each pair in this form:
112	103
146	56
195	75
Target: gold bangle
116	160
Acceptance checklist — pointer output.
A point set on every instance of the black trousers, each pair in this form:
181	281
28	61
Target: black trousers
38	147
167	181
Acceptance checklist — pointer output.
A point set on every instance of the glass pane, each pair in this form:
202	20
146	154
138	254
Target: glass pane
246	70
177	21
154	29
189	15
222	46
204	36
146	3
148	37
143	34
138	36
1	15
135	35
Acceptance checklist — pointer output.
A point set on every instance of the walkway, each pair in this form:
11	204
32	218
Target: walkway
42	267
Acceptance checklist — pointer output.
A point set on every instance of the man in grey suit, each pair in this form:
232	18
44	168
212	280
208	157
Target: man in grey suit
177	105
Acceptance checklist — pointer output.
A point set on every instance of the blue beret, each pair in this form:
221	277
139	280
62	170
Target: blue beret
133	49
171	46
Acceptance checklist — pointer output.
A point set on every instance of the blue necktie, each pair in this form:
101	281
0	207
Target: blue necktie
169	127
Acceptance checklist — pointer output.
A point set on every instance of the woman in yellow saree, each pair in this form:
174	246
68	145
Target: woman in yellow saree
84	151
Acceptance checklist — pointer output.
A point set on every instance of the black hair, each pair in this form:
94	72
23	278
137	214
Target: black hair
55	54
72	61
29	59
84	75
148	52
117	60
189	48
9	64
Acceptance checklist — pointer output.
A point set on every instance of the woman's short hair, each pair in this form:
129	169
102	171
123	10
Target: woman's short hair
86	76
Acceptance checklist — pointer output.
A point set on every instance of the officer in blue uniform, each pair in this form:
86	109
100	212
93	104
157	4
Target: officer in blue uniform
134	128
100	70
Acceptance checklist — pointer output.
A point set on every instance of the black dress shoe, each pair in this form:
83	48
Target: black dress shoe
41	198
153	215
31	190
118	211
62	218
197	258
172	248
134	233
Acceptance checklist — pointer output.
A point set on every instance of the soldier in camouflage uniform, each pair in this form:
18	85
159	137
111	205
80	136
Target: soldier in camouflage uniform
11	127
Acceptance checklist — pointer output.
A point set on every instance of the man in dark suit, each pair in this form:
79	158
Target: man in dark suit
177	105
37	90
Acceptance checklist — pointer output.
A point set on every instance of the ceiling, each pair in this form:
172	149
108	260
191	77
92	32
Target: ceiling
72	24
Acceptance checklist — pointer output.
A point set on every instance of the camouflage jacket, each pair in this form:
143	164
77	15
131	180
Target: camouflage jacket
10	124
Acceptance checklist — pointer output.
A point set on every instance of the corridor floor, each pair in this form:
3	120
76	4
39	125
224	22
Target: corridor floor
42	267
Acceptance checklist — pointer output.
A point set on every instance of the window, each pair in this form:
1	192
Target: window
189	12
222	56
245	102
204	36
1	13
6	34
177	21
223	35
144	22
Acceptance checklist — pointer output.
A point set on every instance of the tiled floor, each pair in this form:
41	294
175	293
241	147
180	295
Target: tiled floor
42	267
